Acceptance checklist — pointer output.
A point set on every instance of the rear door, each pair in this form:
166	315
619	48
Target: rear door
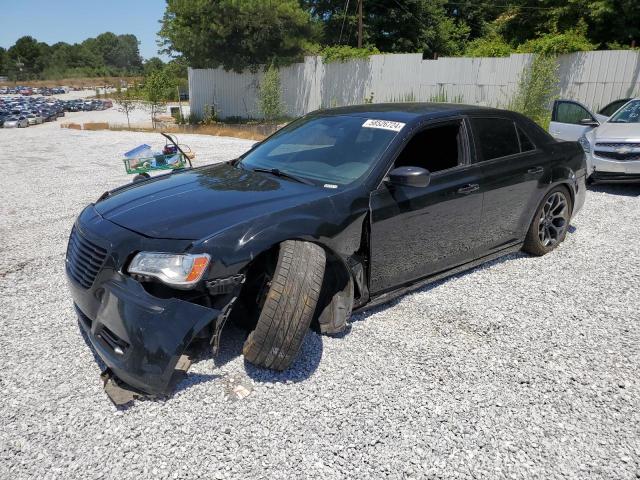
570	120
514	174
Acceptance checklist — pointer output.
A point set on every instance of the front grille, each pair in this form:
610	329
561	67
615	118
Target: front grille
84	259
618	145
629	156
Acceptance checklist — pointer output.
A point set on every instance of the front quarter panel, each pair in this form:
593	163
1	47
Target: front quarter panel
334	222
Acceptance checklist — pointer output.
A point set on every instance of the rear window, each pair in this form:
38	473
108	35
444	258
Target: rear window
495	137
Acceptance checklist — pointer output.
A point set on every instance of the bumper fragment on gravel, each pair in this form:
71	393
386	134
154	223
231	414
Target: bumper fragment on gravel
123	395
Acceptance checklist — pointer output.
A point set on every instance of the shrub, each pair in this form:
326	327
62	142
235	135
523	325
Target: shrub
492	45
210	115
537	88
344	53
621	46
558	43
269	96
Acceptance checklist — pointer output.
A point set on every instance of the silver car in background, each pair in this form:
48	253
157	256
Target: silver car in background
34	119
16	122
611	144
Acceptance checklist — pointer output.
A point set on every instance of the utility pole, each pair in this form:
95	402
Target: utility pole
360	23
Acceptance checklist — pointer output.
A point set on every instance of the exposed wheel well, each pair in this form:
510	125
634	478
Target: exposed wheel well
337	278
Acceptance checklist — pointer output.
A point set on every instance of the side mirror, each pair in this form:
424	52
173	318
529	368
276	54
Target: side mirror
589	122
410	176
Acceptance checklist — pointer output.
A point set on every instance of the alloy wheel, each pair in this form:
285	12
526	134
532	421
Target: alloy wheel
554	219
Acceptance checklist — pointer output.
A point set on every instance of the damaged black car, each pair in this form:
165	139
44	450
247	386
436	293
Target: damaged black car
340	210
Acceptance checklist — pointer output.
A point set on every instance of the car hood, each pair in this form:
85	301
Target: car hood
198	203
618	131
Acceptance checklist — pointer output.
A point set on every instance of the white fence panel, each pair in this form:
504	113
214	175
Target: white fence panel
593	78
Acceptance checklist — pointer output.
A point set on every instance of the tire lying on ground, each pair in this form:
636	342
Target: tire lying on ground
550	223
288	306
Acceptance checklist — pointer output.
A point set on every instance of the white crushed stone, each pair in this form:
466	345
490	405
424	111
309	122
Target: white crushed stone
523	368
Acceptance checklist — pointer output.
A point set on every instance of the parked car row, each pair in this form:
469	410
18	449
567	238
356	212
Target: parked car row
610	138
28	91
20	112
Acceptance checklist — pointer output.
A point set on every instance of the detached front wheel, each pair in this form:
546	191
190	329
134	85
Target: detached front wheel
288	303
549	226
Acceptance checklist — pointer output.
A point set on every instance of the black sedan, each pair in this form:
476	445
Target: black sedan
340	210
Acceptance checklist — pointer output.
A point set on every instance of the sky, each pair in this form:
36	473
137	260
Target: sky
73	21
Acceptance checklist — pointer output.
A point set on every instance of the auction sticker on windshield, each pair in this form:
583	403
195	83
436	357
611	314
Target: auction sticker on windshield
384	124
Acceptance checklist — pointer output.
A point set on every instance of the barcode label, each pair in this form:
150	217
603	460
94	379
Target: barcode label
384	125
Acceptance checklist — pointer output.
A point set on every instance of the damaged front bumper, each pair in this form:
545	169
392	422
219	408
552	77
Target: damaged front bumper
138	336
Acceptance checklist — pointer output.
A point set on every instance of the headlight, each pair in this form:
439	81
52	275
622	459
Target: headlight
584	143
180	271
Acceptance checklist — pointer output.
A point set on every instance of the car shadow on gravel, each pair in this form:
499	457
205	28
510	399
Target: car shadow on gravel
624	189
231	344
232	341
233	338
367	312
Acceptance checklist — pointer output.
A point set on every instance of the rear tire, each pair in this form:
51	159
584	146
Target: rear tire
289	304
550	223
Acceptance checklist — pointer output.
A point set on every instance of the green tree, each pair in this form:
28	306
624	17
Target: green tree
33	56
235	34
126	102
605	20
117	51
158	89
4	62
402	26
151	65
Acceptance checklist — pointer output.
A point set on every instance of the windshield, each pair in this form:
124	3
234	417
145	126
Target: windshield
333	149
630	113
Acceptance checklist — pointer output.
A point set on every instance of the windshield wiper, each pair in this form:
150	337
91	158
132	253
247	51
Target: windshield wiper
279	173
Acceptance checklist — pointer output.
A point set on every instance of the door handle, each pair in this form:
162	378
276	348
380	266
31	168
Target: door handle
467	189
535	170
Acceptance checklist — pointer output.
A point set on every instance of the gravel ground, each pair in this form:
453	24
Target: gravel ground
523	368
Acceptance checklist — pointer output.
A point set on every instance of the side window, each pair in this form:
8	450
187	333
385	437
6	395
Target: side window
526	145
569	112
495	137
436	148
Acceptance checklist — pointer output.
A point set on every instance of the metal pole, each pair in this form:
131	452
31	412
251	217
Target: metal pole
360	23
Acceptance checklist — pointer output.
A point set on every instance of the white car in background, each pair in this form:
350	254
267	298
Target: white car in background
611	144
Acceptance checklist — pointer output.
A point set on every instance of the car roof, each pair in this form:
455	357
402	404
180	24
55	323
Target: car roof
406	112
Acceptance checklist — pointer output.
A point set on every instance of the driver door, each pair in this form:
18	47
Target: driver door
570	120
420	231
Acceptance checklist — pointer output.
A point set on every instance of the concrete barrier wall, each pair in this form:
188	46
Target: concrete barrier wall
593	78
